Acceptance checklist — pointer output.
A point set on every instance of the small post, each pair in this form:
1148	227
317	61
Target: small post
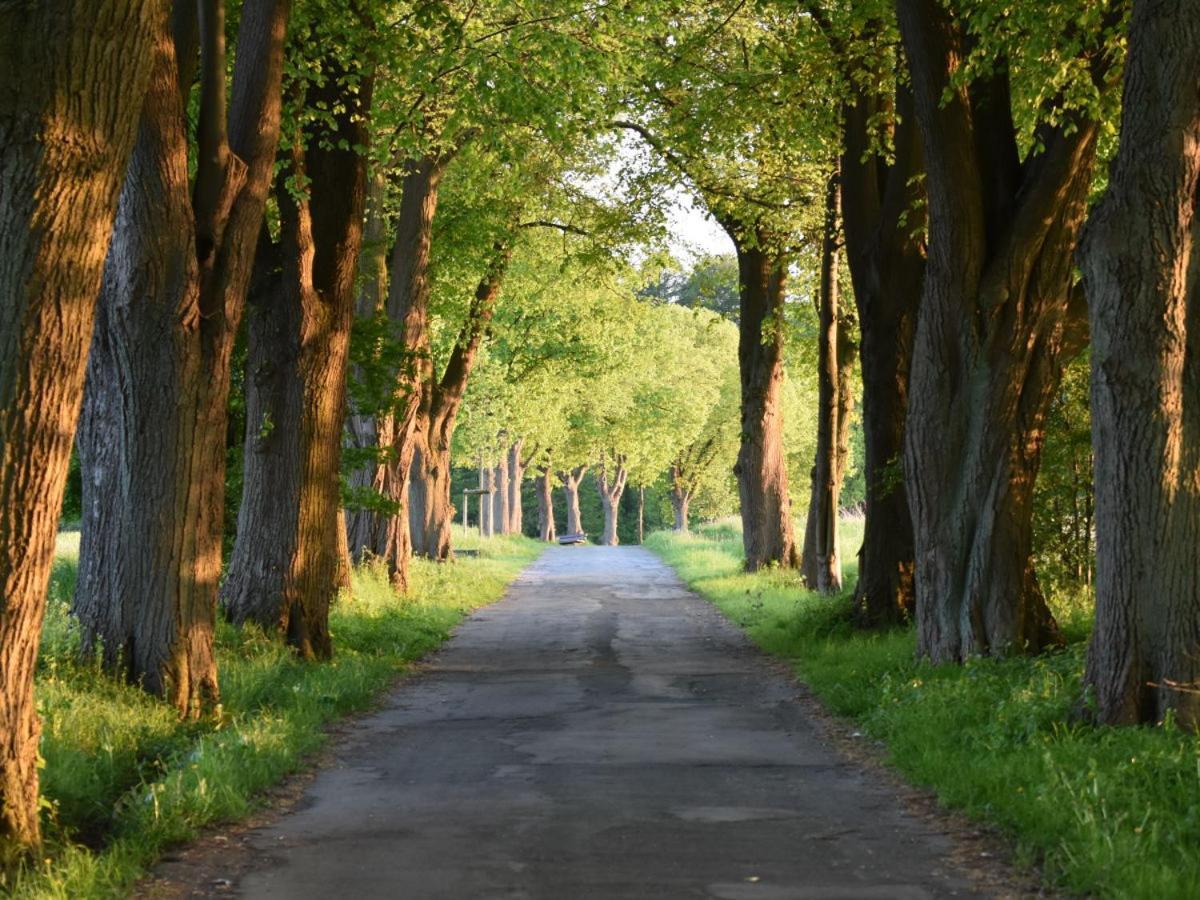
466	500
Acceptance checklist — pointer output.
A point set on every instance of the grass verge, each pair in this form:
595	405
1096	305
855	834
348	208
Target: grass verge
124	779
1103	811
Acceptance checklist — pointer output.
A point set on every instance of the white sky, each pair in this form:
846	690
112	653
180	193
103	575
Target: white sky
694	232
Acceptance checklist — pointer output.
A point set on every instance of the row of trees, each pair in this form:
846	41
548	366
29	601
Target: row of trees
170	180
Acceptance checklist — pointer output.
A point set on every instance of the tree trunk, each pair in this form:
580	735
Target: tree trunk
516	475
288	581
570	482
82	71
681	498
440	403
365	526
882	212
1139	261
821	563
767	530
486	528
611	486
546	530
408	305
996	324
641	514
175	286
500	513
420	488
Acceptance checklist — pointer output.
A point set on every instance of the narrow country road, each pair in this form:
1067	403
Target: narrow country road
599	733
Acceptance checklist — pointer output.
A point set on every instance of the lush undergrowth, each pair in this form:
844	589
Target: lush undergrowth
124	779
1107	812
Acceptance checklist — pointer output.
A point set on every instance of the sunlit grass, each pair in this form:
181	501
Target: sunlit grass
1105	812
124	779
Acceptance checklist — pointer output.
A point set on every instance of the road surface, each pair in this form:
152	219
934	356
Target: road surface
599	733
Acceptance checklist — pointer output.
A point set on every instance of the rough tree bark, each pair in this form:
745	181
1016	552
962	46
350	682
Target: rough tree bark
1139	257
408	307
516	476
641	514
882	216
767	531
610	482
174	289
545	482
571	480
285	569
996	324
821	563
438	415
65	137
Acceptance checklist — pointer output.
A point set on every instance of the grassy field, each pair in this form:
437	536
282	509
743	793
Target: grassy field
124	779
1105	812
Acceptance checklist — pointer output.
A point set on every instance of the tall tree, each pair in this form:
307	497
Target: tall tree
714	90
174	290
821	562
611	478
1139	258
883	214
285	568
65	137
998	314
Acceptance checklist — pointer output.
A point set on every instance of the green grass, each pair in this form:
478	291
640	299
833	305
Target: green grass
124	779
1106	812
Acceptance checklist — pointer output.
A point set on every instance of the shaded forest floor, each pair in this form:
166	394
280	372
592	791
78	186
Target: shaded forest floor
1106	812
124	779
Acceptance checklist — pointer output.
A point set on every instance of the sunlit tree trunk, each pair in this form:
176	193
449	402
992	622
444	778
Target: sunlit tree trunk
766	507
516	476
287	563
545	484
500	513
997	322
175	287
1141	263
571	480
65	137
611	477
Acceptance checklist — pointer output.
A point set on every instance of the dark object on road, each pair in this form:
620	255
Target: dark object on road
580	538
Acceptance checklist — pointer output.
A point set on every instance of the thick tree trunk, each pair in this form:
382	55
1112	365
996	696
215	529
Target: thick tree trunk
767	530
545	482
65	137
995	326
486	526
433	512
882	213
821	564
175	286
291	509
516	476
1139	260
610	482
571	480
500	512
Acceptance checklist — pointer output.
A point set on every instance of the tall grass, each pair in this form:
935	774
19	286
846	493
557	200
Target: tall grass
1106	812
124	779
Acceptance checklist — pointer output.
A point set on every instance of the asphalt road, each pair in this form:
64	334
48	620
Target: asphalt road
599	733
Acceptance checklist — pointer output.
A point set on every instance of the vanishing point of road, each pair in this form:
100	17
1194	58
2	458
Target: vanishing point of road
601	732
